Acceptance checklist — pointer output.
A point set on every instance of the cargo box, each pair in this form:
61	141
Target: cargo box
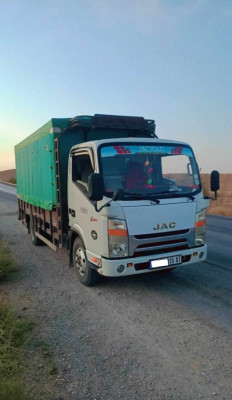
42	158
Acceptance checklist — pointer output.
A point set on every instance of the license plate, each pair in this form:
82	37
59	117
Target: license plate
166	262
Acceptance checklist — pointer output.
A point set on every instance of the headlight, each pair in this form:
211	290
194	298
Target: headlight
200	228
118	238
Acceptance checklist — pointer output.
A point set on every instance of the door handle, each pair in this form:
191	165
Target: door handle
72	212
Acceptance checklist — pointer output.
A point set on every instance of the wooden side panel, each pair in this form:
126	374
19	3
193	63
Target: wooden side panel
47	223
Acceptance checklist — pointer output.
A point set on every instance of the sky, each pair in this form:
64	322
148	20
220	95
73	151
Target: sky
168	60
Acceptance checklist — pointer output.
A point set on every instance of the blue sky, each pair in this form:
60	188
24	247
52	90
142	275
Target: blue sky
169	60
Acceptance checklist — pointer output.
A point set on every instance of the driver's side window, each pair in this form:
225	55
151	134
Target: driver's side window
81	170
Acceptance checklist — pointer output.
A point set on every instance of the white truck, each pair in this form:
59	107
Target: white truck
122	202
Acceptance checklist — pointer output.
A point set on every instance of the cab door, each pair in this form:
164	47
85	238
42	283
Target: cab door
82	215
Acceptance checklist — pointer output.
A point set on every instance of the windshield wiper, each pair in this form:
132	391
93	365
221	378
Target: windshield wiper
142	196
119	195
176	193
132	194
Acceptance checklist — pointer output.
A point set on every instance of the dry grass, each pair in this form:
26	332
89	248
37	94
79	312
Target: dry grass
7	263
221	210
12	180
18	368
14	333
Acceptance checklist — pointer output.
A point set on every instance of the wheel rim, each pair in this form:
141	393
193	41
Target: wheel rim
80	261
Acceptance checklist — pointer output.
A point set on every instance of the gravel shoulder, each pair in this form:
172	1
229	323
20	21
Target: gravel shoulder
153	336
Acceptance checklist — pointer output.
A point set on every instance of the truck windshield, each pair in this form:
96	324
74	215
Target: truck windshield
146	170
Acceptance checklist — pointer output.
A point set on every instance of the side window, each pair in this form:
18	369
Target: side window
176	169
81	170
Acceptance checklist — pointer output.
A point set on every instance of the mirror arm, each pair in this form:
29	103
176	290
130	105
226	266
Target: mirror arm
104	205
211	198
116	196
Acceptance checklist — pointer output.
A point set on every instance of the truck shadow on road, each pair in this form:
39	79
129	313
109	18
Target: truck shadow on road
201	288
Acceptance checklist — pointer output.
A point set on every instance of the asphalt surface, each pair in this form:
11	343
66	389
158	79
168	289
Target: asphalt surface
10	189
153	336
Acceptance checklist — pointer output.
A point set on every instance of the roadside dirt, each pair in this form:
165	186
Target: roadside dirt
7	175
223	204
146	337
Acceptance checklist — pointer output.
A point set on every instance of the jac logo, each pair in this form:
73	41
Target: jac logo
159	227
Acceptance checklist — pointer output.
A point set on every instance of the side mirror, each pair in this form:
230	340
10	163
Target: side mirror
215	182
96	187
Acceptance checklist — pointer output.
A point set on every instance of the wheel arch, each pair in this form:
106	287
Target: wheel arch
73	234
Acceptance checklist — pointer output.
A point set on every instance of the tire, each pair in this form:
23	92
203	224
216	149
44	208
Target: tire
86	274
34	239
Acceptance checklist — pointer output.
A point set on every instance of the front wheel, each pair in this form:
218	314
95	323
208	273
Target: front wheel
86	274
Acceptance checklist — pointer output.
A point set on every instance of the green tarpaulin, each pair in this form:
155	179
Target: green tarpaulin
35	165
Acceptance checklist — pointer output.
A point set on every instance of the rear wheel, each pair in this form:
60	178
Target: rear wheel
35	240
86	274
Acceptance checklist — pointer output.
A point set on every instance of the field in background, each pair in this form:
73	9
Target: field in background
8	176
223	205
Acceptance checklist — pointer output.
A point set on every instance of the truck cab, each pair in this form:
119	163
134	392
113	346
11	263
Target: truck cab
150	213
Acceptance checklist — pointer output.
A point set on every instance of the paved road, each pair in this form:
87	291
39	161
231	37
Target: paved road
8	189
219	239
152	336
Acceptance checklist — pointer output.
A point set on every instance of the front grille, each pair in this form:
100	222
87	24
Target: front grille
141	246
160	250
145	265
163	234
